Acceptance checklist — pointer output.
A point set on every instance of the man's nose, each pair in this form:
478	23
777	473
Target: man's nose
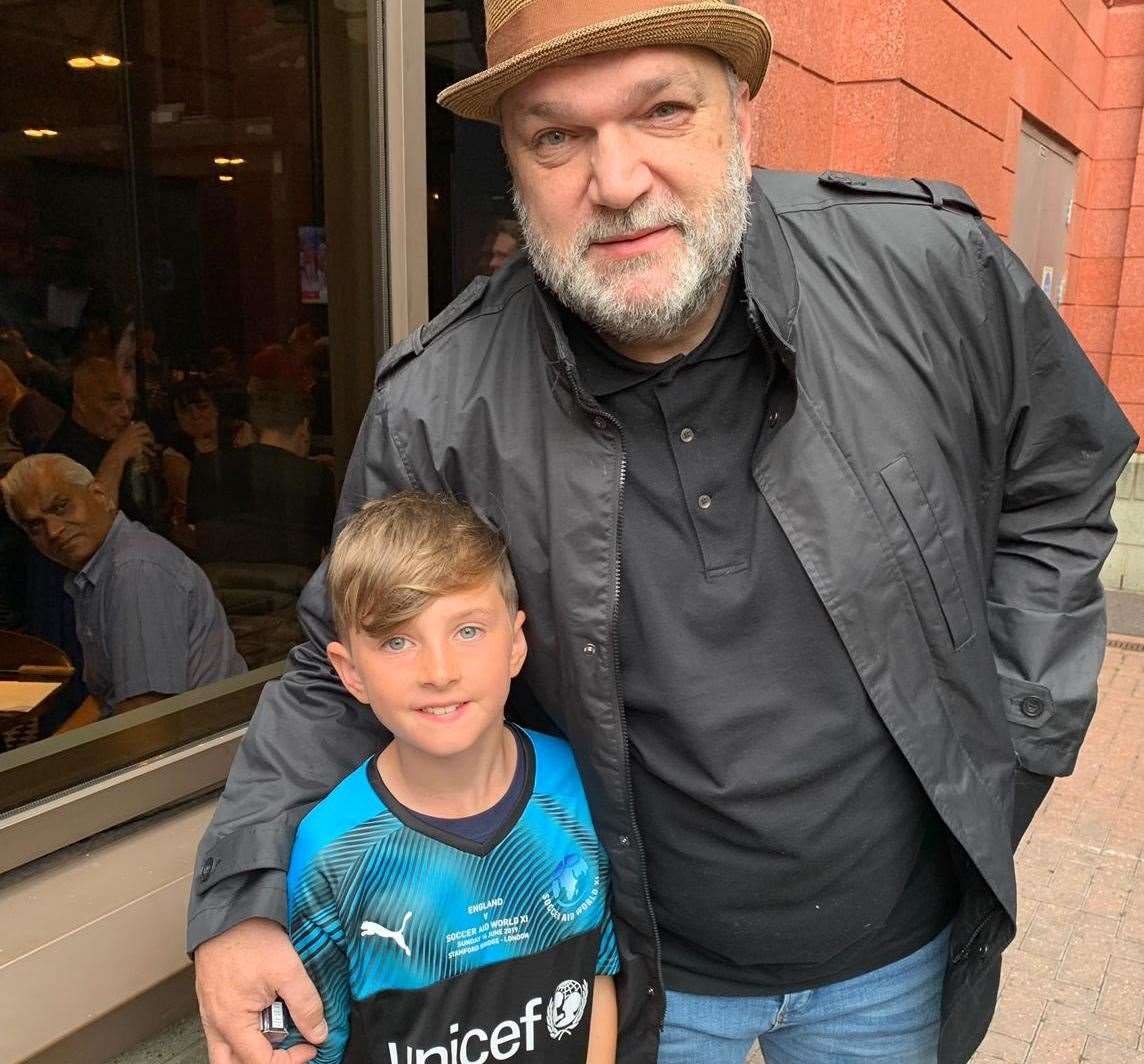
619	174
438	665
53	528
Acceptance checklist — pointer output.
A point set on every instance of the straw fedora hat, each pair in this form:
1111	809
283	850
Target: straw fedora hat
524	36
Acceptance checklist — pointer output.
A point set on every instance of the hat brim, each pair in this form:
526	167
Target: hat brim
739	35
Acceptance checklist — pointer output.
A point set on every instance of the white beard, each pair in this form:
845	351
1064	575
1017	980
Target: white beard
630	313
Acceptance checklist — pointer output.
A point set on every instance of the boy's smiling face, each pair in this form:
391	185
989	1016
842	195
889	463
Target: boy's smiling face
438	682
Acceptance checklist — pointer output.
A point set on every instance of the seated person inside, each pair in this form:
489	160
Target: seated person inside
267	502
200	430
33	395
147	620
99	434
451	892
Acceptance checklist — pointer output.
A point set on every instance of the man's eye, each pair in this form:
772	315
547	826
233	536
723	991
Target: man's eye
469	631
551	138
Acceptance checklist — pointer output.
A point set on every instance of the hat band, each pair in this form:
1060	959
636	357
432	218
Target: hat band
542	21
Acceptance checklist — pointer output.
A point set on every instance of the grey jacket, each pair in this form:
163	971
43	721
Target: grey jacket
944	471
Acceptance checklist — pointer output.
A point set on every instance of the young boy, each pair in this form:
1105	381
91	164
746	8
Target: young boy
449	898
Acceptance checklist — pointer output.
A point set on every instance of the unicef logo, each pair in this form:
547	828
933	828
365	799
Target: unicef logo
569	882
566	1009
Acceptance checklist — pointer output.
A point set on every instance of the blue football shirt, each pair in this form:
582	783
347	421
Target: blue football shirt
429	948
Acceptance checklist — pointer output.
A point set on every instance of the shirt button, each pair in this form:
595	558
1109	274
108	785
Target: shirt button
704	502
687	435
651	991
205	871
773	420
589	648
599	422
625	841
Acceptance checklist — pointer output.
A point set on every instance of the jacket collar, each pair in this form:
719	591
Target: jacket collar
768	268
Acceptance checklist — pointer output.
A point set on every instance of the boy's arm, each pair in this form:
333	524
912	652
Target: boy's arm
602	1032
326	963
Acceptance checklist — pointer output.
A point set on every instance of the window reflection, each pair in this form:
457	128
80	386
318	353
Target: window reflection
472	229
164	323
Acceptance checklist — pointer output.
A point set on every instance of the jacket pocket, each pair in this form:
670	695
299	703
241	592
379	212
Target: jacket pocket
910	498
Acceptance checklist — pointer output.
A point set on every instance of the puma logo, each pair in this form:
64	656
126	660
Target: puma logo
368	927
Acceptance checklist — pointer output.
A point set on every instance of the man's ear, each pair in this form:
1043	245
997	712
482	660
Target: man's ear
102	496
743	119
519	645
343	664
303	436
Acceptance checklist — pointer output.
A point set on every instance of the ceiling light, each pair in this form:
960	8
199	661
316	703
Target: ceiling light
225	177
237	162
222	160
81	62
33	132
104	60
49	133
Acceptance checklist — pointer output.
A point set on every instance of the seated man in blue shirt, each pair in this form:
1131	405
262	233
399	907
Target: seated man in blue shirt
147	618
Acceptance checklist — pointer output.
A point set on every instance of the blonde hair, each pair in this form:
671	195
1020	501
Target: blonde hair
398	553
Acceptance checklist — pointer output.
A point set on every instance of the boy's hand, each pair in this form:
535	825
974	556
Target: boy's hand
239	973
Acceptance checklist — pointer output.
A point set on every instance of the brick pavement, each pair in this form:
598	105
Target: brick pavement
1073	981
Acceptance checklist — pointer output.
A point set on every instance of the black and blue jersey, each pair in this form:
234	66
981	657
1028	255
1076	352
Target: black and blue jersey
429	948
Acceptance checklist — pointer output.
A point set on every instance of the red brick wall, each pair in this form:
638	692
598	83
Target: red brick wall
938	87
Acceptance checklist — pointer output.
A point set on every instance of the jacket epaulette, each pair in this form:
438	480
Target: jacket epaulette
470	295
940	194
423	335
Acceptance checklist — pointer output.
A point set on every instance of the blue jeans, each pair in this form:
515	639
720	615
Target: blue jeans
891	1015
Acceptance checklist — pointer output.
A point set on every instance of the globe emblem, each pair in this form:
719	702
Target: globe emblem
566	1008
569	880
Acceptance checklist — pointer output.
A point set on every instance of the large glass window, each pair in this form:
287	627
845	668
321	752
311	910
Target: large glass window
176	307
472	229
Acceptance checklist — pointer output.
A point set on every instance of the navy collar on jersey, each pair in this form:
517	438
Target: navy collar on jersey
479	849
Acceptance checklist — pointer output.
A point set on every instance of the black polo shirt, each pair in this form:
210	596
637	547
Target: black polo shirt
788	843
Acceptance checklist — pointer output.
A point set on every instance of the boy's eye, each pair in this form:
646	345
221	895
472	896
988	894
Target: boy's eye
469	631
397	642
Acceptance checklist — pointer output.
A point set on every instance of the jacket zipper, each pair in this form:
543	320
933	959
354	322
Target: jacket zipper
598	411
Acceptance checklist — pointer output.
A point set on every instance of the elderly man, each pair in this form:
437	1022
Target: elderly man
807	489
147	619
99	434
